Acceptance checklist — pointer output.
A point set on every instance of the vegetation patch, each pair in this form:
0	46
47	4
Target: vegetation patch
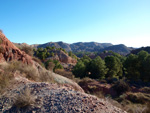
121	87
1	41
1	49
65	73
5	78
24	99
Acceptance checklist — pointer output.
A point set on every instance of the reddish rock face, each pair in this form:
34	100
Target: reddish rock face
9	52
63	57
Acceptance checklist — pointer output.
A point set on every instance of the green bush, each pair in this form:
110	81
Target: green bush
49	65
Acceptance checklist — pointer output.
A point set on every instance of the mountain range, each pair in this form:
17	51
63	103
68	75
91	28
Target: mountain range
85	47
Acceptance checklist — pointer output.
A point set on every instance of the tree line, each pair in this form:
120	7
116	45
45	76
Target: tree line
133	67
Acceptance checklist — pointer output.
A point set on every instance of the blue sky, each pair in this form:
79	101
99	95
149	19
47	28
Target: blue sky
41	21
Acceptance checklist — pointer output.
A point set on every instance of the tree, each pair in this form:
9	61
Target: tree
143	58
70	53
97	68
132	66
49	65
114	66
80	69
57	65
52	54
146	72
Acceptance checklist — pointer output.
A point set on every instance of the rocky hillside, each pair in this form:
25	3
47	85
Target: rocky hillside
9	52
140	49
63	57
85	47
90	47
28	87
57	45
121	49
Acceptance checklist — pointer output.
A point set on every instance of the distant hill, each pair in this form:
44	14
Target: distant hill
121	49
140	49
84	47
56	44
88	46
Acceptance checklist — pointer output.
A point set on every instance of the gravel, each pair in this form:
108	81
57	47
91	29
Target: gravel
54	98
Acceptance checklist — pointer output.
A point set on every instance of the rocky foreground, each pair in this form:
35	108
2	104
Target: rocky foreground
38	97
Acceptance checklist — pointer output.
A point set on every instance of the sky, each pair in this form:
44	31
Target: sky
104	21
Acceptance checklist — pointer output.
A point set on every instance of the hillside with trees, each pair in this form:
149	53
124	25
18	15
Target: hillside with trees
87	47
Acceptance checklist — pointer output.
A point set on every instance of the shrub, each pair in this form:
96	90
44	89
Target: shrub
24	99
64	73
46	76
38	61
140	98
28	50
49	65
57	65
1	41
5	78
1	49
121	87
29	71
84	81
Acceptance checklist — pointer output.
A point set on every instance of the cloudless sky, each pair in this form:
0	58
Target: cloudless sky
111	21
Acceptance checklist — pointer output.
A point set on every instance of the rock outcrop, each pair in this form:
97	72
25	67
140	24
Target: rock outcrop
63	57
9	52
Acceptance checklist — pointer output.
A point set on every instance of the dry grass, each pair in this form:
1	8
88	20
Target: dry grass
135	102
64	73
146	89
46	76
50	66
28	71
1	48
28	50
136	108
140	98
24	99
1	41
24	69
5	78
38	61
99	94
